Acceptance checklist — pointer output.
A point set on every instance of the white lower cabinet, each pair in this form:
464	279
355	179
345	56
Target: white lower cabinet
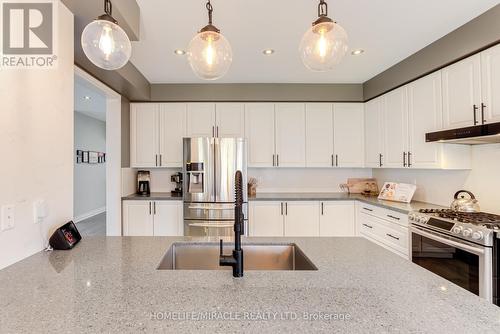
301	219
266	219
278	219
152	218
384	227
337	219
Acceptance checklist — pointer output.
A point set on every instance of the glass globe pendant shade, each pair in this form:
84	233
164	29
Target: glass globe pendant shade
210	55
106	44
323	46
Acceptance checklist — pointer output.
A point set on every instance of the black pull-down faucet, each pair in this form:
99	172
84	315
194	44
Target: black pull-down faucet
236	259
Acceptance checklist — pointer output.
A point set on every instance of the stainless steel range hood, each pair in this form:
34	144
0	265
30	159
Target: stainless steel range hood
473	135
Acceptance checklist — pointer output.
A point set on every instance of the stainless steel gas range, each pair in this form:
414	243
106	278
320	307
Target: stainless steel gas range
461	247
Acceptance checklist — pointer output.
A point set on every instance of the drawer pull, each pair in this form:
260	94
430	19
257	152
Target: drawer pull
391	236
367	226
397	218
371	210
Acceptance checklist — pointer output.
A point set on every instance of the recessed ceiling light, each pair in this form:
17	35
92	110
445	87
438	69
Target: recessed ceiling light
268	52
86	97
357	52
180	52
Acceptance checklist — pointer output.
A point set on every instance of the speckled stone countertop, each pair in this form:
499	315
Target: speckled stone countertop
111	285
153	197
400	207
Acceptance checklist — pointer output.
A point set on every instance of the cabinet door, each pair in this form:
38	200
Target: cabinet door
424	115
137	218
395	127
230	120
319	135
461	92
490	67
290	135
337	219
144	135
259	131
201	119
349	134
168	218
302	219
266	219
374	143
172	130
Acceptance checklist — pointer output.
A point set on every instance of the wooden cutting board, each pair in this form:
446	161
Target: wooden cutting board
359	185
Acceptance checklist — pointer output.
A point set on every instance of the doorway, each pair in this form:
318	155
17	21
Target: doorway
97	162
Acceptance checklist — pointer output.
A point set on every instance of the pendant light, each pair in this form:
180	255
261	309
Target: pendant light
209	52
324	44
105	43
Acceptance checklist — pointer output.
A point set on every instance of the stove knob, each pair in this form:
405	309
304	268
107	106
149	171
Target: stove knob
467	232
457	229
477	235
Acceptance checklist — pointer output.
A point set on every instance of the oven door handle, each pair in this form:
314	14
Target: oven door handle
446	241
214	224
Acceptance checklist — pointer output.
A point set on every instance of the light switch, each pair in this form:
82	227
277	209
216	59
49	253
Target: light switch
8	217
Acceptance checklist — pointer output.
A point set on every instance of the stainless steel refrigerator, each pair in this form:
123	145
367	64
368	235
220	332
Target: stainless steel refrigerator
209	167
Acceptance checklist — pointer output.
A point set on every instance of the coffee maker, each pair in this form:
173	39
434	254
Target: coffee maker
143	183
177	179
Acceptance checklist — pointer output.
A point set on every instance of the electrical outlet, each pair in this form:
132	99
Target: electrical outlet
8	217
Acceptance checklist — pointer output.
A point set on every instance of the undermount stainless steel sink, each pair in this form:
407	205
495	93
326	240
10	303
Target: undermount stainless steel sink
205	256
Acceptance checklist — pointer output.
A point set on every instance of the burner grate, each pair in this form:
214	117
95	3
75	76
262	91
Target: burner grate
477	218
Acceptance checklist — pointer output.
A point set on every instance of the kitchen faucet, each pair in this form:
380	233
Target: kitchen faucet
236	259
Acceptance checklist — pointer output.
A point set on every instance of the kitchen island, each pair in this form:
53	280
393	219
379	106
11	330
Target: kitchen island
112	285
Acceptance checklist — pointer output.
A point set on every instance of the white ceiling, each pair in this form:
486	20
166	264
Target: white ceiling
95	107
389	31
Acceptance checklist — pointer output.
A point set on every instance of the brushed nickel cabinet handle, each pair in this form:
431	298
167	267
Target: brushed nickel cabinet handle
150	208
380	159
404	159
367	209
474	110
154	208
286	209
333	163
274	160
277	160
282	208
365	225
390	216
391	236
336	160
483	106
409	159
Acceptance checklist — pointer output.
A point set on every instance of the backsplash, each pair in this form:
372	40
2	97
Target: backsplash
160	179
304	179
439	186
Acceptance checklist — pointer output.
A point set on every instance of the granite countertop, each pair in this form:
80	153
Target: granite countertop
400	207
111	285
158	196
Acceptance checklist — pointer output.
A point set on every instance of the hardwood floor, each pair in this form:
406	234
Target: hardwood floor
93	226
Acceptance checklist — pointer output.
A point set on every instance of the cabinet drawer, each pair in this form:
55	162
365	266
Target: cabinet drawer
395	236
382	213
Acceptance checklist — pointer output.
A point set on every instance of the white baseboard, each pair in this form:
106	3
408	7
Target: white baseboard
89	214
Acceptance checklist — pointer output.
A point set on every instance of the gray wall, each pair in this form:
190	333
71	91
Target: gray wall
470	38
89	179
257	92
125	132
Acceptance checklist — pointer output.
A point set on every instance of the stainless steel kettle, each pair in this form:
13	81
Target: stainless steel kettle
465	201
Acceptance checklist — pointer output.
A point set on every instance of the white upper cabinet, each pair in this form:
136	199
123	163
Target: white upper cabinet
396	128
144	135
290	135
172	117
374	139
259	131
425	115
201	120
490	76
319	135
230	120
462	93
349	134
